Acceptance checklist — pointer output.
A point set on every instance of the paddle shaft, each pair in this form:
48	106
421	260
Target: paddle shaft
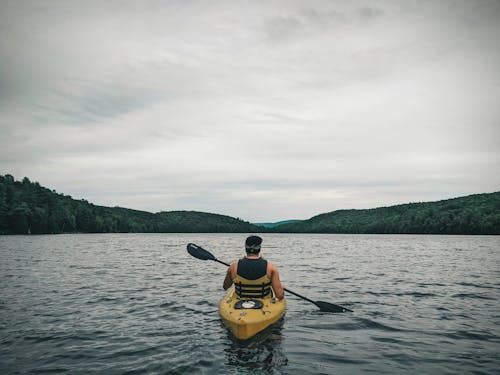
298	295
221	262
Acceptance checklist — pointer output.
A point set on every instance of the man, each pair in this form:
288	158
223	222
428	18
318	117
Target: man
253	276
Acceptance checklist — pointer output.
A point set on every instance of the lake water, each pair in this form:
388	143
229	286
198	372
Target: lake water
140	304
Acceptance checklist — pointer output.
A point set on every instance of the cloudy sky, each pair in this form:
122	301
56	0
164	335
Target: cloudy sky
263	110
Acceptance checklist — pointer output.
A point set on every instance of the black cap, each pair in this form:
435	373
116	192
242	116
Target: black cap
252	244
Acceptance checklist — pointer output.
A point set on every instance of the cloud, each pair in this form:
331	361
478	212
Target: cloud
265	111
368	12
282	28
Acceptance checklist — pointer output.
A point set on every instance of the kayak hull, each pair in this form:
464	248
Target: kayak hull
247	322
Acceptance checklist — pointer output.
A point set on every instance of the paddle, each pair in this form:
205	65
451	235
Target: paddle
201	253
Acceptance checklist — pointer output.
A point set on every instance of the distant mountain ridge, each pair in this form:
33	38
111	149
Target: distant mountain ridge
473	214
276	224
26	207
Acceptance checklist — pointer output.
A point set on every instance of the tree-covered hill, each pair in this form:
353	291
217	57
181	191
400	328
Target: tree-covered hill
474	214
27	207
276	224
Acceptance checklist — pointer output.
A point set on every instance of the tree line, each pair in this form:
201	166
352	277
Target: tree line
474	214
28	208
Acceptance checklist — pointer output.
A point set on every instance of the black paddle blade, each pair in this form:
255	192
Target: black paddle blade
199	252
330	307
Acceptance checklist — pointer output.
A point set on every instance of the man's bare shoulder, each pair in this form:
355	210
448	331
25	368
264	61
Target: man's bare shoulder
272	266
233	267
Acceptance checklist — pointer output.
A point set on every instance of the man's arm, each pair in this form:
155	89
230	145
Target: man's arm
228	281
276	283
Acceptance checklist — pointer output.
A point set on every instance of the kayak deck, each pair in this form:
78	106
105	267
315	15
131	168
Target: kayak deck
246	317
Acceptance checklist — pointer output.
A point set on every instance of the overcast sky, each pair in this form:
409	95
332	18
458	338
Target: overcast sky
263	110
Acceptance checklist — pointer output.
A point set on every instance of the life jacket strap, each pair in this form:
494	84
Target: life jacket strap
252	290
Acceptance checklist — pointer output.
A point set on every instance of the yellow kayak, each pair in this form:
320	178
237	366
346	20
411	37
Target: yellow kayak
246	317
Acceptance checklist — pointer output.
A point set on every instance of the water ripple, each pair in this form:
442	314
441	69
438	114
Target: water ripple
473	296
139	304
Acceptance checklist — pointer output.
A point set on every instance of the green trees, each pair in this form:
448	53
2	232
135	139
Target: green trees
28	208
474	214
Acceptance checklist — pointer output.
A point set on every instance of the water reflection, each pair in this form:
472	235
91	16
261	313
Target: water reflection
262	353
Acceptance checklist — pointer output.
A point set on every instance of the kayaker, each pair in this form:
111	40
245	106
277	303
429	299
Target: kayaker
252	275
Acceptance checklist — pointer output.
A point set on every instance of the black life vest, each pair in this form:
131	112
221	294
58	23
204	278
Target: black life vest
251	279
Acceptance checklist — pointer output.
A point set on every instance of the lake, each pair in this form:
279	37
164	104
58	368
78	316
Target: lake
140	304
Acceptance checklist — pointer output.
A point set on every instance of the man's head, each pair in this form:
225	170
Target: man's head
252	244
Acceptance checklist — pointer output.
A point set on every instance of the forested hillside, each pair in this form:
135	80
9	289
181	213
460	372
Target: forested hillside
474	214
27	207
276	224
